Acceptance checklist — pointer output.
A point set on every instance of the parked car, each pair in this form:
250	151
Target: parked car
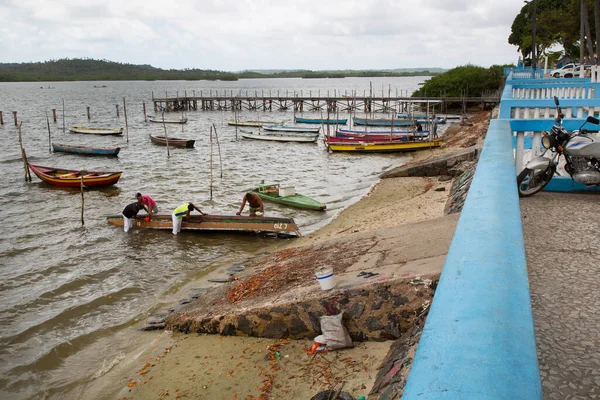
576	73
566	69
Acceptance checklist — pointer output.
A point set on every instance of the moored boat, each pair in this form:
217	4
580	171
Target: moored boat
280	136
299	129
287	196
226	223
73	178
95	131
299	120
383	147
173	141
85	150
256	124
381	134
160	120
388	122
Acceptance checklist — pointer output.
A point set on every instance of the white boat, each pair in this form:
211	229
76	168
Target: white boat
256	124
96	131
300	129
166	121
280	137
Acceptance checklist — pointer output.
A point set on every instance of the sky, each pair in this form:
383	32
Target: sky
235	35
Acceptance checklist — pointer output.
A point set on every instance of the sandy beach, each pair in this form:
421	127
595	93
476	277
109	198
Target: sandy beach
200	366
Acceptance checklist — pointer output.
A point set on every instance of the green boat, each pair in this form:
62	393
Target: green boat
287	196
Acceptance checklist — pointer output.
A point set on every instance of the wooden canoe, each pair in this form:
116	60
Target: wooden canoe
72	178
225	223
377	137
86	150
257	124
321	121
382	147
173	141
271	192
167	121
281	136
96	131
292	129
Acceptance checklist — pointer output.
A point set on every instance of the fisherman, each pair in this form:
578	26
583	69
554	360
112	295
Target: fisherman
255	203
130	212
418	126
180	212
148	203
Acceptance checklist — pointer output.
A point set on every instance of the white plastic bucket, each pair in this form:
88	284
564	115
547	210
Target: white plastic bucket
325	278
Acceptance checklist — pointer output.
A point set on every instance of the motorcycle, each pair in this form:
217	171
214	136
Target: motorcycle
581	153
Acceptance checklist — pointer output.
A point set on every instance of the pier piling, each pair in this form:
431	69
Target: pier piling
117	107
145	115
1	119
15	118
88	112
54	115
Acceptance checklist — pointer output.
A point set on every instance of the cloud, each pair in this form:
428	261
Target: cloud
247	34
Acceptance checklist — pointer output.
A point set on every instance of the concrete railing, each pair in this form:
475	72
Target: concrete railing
478	341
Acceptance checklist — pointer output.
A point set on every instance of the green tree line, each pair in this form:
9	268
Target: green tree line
104	70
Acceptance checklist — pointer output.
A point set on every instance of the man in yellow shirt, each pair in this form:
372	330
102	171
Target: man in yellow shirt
180	212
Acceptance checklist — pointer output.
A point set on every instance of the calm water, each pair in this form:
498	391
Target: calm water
71	296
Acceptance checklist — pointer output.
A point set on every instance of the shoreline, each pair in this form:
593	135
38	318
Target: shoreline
205	366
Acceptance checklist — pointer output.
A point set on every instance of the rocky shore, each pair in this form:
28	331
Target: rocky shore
386	252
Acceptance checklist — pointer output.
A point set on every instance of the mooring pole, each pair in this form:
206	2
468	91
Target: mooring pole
49	135
15	118
63	115
82	201
117	107
88	112
1	119
145	116
54	115
126	125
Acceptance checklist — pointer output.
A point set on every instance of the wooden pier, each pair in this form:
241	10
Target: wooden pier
300	102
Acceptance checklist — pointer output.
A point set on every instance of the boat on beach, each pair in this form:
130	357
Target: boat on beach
384	147
85	150
256	124
299	129
396	122
73	178
280	136
216	223
381	134
95	131
299	120
370	139
287	196
173	141
160	120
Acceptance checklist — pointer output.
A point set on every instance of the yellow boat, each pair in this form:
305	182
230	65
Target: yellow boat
381	147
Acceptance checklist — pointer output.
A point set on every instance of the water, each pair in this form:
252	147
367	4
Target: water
71	296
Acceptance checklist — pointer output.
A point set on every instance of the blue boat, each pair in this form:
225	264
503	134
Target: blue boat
320	121
86	150
388	122
349	131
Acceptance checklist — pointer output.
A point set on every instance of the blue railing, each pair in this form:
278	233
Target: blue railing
478	341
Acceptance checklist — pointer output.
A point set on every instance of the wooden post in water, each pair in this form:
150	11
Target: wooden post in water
166	136
15	118
126	125
219	148
54	115
49	135
211	162
24	155
117	106
63	115
145	115
82	201
88	112
1	119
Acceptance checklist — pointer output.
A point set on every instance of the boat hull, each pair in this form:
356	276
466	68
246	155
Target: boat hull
256	124
95	131
381	147
298	129
296	201
321	121
85	150
72	178
281	137
177	142
216	223
168	121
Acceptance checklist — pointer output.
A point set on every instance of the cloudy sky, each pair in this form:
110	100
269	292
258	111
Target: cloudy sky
234	35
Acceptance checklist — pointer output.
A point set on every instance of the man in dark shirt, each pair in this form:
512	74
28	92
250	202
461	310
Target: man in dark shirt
129	212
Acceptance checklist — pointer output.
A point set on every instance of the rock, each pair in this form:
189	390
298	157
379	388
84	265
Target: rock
358	336
153	327
276	330
376	304
440	189
228	330
373	324
356	310
398	301
243	324
383	294
265	316
280	310
298	326
314	320
184	301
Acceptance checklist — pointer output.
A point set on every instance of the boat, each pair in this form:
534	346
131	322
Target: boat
380	134
86	150
96	131
287	196
383	147
281	136
300	129
160	120
73	178
370	139
388	122
299	120
256	124
173	141
424	117
225	223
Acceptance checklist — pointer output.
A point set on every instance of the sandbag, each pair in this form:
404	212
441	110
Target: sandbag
334	332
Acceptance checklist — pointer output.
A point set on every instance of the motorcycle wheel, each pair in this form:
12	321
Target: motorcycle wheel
529	181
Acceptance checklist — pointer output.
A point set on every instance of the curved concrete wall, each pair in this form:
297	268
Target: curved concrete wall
478	341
